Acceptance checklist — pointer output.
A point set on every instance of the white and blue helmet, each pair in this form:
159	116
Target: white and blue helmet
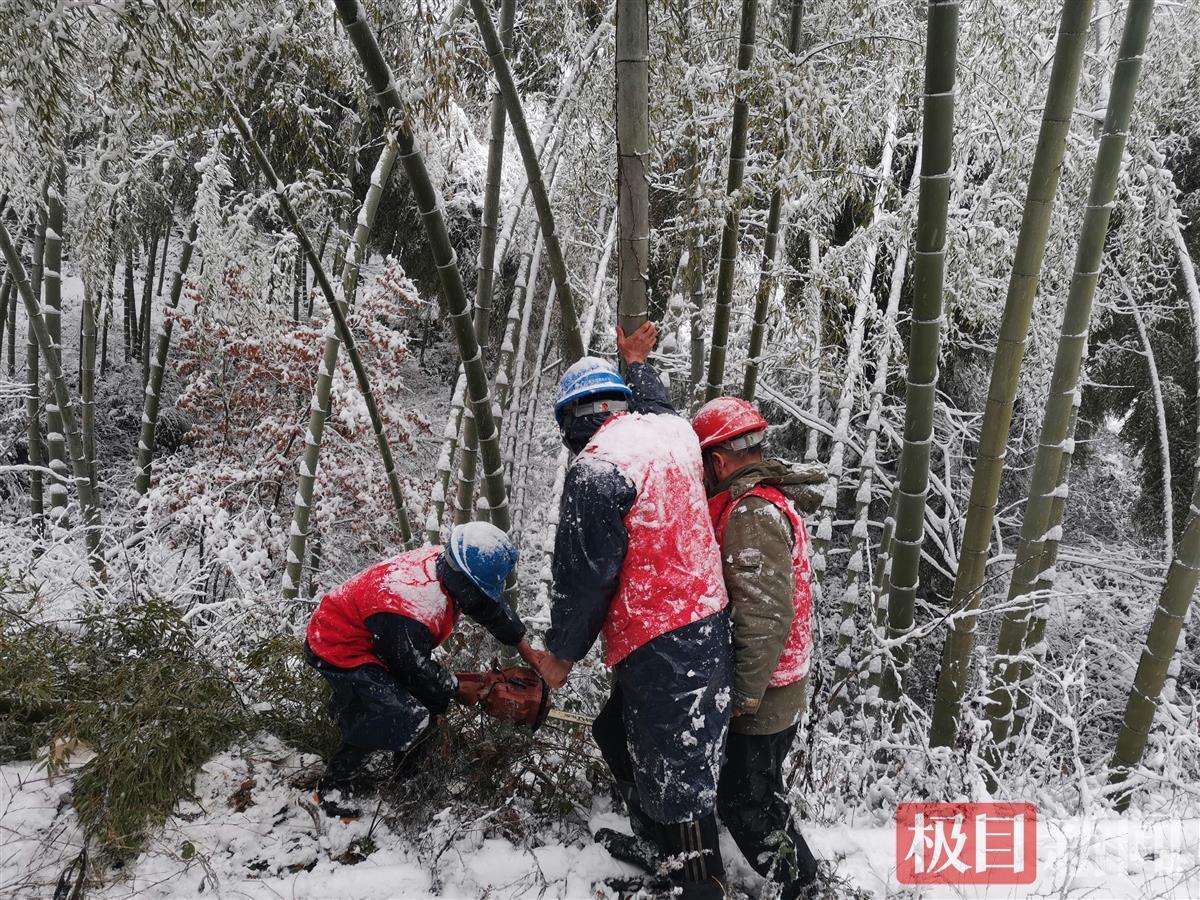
588	377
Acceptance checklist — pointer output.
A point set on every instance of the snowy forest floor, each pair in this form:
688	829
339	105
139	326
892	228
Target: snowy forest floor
244	831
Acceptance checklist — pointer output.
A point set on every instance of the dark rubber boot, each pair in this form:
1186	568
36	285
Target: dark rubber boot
694	852
629	848
333	794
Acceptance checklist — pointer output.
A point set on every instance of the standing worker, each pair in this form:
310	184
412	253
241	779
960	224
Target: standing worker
372	640
635	560
756	507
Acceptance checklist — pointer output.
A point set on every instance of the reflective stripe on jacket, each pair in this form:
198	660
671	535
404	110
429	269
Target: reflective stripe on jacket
671	575
406	585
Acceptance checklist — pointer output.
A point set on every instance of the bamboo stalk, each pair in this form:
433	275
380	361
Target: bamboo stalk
633	155
379	77
153	394
319	407
729	234
56	445
766	276
83	484
33	396
147	314
572	343
1068	360
162	262
937	145
339	318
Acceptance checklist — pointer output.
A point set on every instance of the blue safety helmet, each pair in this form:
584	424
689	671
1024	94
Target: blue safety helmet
586	378
483	553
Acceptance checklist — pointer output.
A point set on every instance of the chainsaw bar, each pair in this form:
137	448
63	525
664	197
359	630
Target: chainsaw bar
564	716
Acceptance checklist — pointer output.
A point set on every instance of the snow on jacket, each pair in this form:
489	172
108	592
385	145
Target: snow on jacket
635	555
406	585
765	554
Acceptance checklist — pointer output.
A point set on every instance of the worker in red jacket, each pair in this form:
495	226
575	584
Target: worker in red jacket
635	560
372	640
756	506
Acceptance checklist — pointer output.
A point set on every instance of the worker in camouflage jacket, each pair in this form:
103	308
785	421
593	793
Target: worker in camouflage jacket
756	505
635	560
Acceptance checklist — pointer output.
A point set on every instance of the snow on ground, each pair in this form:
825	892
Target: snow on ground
247	834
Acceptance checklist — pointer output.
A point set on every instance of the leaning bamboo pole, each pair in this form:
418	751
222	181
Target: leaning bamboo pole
733	184
83	484
766	276
339	318
1160	418
859	545
633	158
158	363
572	342
379	77
319	407
1006	367
485	270
1163	641
937	146
1072	344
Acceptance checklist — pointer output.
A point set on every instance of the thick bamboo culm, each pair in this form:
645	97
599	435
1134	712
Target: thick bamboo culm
379	77
633	157
929	264
1006	366
1064	382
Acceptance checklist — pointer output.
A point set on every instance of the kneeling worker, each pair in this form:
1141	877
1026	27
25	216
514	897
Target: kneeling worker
372	640
756	507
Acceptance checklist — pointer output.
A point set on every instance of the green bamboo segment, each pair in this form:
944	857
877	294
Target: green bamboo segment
56	445
572	342
929	262
1006	367
441	486
1162	642
766	277
1035	648
79	464
87	383
379	77
33	392
633	157
733	184
339	319
158	363
1072	345
319	408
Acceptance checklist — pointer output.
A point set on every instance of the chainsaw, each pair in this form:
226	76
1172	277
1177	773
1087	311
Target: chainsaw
517	694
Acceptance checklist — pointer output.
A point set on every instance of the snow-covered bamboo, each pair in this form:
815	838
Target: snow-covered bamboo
56	444
632	60
937	146
815	322
766	276
319	407
339	318
379	77
863	301
83	484
33	394
1010	351
158	363
733	185
1072	344
572	344
1160	419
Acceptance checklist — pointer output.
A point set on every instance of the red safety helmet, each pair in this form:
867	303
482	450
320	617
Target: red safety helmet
722	420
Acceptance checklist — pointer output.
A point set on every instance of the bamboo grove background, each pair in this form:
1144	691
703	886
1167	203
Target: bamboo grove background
324	265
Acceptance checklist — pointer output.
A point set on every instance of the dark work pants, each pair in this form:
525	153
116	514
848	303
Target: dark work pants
752	803
372	712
